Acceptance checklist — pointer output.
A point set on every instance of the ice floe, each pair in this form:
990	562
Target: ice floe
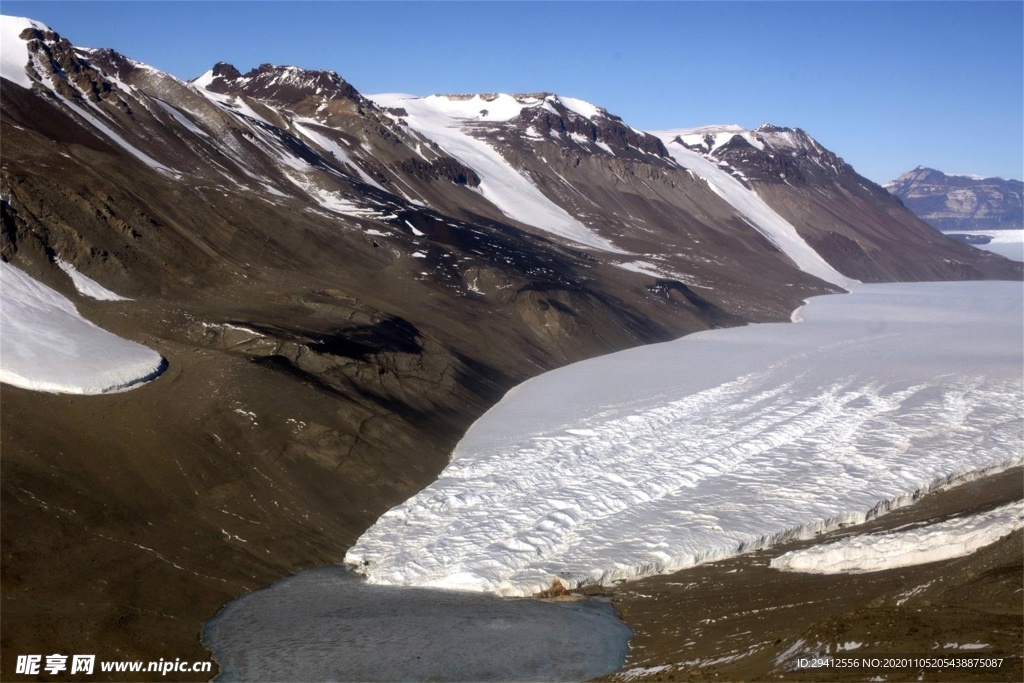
725	441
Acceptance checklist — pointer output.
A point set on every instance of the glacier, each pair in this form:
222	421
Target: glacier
48	346
722	442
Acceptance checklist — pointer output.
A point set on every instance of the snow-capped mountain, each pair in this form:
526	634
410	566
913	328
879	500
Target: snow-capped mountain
340	284
961	202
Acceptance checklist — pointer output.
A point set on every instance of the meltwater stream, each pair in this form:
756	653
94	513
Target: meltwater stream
330	625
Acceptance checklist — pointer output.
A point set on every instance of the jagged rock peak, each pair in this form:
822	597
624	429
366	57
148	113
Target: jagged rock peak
785	137
296	76
537	116
286	84
772	128
225	70
35	55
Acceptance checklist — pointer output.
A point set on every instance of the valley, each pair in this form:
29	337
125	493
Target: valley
337	287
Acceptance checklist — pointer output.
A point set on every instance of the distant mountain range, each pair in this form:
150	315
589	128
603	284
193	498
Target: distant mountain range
340	285
961	202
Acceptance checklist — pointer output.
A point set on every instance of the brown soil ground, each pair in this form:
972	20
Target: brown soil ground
741	620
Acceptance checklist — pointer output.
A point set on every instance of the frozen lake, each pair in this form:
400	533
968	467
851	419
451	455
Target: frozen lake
665	456
329	625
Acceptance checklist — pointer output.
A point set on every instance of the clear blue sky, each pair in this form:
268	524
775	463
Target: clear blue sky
886	85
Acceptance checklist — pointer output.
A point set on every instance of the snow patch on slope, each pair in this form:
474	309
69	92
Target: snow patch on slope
305	128
875	552
15	55
94	121
761	216
725	441
87	286
718	135
180	118
443	120
47	345
581	107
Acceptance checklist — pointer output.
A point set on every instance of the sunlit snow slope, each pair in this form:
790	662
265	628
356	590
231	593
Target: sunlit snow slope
940	541
14	56
761	216
447	122
46	345
665	456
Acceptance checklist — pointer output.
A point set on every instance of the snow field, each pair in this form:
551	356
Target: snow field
46	345
875	552
14	55
659	458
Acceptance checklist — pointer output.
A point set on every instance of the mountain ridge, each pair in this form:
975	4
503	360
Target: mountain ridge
952	202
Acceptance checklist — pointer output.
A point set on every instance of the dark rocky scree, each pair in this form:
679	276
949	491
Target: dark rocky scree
608	129
445	168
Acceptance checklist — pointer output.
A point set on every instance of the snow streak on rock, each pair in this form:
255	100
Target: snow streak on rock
87	286
761	216
47	346
875	552
447	122
722	442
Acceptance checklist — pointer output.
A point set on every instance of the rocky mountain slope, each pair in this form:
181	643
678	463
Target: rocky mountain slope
340	285
960	202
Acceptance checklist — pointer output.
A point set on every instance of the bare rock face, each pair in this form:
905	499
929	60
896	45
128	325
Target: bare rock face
283	85
340	288
958	202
